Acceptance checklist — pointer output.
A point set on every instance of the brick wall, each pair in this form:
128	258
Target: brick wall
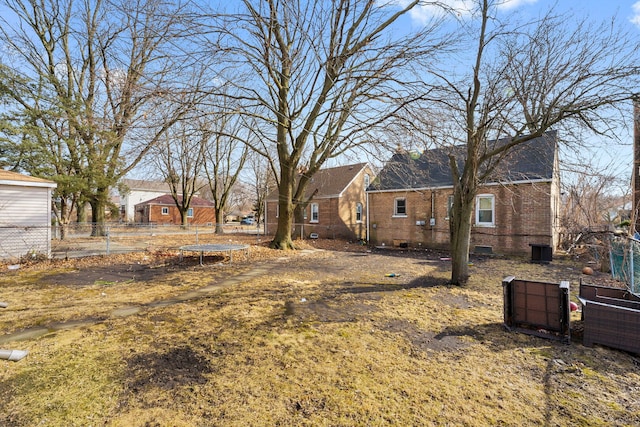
201	215
336	215
523	215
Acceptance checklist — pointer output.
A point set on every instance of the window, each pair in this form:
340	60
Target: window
485	206
314	212
277	210
165	211
366	180
190	213
400	208
449	205
359	212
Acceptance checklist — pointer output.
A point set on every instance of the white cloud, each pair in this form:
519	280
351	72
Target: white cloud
635	19
423	13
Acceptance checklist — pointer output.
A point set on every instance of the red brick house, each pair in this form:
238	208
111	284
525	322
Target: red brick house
163	210
410	200
338	207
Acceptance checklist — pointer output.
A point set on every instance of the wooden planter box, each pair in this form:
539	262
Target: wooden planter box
611	317
537	308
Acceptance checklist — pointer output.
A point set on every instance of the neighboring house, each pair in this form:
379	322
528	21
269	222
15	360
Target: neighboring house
25	215
136	191
409	202
338	207
163	210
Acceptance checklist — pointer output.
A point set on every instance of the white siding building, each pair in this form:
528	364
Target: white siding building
137	191
25	215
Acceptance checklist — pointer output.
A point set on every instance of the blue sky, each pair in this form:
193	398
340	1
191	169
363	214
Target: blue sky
614	155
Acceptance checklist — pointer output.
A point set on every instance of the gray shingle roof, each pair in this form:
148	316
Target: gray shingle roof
532	160
329	182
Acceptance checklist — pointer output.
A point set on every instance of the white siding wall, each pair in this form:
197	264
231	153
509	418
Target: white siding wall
25	221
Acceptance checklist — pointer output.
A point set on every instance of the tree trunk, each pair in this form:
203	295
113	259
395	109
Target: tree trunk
460	252
282	238
298	216
63	218
81	212
184	221
460	229
98	206
219	221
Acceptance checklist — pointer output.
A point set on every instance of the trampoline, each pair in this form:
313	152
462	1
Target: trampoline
214	248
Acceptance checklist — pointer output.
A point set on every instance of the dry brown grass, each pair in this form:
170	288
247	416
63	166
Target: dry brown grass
315	338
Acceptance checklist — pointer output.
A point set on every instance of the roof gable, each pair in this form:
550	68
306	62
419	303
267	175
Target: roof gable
14	178
330	182
530	161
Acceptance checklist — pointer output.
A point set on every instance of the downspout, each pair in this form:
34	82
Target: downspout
367	222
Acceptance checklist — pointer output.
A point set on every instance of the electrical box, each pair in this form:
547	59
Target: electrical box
420	222
432	222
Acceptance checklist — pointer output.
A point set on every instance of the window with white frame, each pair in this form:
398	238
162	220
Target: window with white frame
400	207
485	210
314	212
359	212
449	205
190	213
165	211
367	180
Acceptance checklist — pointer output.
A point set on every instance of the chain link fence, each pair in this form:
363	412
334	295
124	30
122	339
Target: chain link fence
18	242
625	261
86	239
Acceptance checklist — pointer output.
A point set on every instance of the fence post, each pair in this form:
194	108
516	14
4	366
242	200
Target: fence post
108	234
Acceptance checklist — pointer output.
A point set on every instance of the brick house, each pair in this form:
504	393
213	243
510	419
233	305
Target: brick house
163	210
338	207
410	200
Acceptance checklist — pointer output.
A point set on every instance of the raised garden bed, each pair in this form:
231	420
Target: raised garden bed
611	317
537	308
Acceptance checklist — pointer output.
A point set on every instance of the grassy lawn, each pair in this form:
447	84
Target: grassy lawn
306	338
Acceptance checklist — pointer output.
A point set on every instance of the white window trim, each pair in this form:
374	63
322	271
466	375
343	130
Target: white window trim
165	210
317	211
493	210
359	208
395	208
190	210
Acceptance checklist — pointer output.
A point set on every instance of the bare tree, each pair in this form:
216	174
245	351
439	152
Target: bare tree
107	69
180	160
521	80
594	200
225	154
318	77
262	182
